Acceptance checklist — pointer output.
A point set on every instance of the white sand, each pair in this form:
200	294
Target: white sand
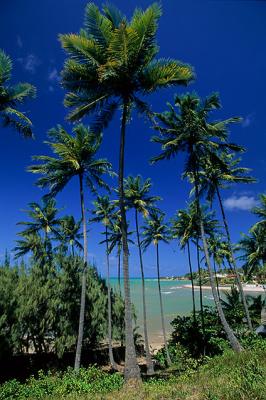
246	288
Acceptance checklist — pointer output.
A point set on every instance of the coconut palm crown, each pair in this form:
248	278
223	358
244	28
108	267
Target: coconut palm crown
74	156
11	97
137	195
112	60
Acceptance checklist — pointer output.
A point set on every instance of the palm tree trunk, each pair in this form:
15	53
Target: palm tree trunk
169	362
238	280
84	275
216	279
119	269
229	332
111	356
192	282
201	298
150	369
131	371
72	250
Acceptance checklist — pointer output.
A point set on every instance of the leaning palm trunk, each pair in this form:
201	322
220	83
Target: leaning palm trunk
169	362
84	275
229	332
131	367
110	348
150	369
238	280
192	282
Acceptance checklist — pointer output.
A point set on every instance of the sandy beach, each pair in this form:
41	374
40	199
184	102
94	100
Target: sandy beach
246	288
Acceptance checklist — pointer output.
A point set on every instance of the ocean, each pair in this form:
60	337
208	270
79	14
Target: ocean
176	301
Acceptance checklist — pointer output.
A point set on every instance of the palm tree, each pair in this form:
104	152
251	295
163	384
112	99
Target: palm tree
115	241
253	248
219	172
11	96
214	245
157	231
260	211
111	65
69	233
30	243
189	130
183	229
104	212
75	156
43	220
137	197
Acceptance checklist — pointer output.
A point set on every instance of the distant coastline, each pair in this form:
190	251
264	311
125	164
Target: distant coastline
246	288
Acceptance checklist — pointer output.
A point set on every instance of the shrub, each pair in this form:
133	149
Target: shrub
91	380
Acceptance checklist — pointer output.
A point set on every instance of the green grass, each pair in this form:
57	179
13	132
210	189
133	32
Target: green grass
227	377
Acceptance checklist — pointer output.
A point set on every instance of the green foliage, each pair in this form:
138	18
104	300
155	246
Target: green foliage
155	230
40	307
75	155
182	360
91	380
112	62
190	334
11	96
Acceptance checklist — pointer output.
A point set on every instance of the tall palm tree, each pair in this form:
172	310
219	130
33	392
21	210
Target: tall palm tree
219	172
183	229
189	130
137	197
69	234
214	245
74	156
104	212
157	231
115	241
43	221
11	96
111	65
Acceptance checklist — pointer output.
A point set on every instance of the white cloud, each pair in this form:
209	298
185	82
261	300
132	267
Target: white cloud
243	203
53	75
30	63
19	42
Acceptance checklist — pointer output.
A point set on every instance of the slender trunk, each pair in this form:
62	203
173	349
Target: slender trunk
216	279
119	269
238	280
73	251
150	369
120	293
201	298
200	277
131	371
192	282
84	275
169	362
111	356
229	332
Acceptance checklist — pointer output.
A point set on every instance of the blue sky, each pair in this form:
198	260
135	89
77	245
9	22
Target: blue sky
225	43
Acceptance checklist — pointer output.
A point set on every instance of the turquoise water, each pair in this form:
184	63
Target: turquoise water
176	301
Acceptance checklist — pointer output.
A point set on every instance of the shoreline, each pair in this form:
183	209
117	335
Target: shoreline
253	289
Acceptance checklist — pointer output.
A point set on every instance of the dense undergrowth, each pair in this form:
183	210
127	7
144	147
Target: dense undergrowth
225	377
